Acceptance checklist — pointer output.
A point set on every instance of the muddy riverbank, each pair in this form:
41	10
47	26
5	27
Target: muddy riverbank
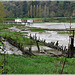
44	51
48	36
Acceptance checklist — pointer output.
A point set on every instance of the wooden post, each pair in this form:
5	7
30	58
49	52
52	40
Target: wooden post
71	46
39	38
35	36
70	25
38	46
44	41
30	48
30	36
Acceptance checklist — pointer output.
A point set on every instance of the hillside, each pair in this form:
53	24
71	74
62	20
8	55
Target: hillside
39	9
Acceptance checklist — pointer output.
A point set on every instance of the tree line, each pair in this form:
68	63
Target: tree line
2	14
39	9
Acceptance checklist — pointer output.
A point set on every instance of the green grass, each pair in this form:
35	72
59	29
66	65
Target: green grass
37	30
18	25
38	18
21	27
0	44
37	65
50	19
19	38
66	32
5	32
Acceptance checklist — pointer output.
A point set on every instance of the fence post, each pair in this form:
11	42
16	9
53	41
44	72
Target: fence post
38	46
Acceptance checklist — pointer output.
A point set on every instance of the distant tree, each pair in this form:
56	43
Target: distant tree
31	11
37	11
34	11
24	8
28	13
9	14
45	11
67	8
40	10
2	13
21	12
73	14
52	14
57	3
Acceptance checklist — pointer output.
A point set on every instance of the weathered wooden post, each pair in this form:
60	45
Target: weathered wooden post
39	39
57	43
30	36
30	48
38	46
35	36
71	46
44	42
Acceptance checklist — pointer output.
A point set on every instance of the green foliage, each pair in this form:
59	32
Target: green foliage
20	27
19	38
16	36
0	43
31	11
43	9
38	65
37	30
4	26
66	32
51	19
2	14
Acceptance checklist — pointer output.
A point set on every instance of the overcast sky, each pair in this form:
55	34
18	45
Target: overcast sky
37	0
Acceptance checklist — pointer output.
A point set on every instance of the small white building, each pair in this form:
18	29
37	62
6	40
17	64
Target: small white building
30	21
18	20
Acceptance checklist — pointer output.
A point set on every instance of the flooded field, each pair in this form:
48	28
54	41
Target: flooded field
53	25
53	36
48	36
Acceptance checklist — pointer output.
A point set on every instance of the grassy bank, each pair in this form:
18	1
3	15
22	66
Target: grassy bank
16	64
6	26
19	38
37	30
41	18
66	32
37	65
51	19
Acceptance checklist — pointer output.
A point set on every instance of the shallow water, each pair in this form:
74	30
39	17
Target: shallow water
53	36
11	49
53	25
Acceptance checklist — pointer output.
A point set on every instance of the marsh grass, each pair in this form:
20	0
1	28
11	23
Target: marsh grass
19	38
0	43
35	64
66	32
37	30
38	65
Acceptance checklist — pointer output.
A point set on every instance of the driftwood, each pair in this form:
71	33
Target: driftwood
38	46
63	66
51	45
